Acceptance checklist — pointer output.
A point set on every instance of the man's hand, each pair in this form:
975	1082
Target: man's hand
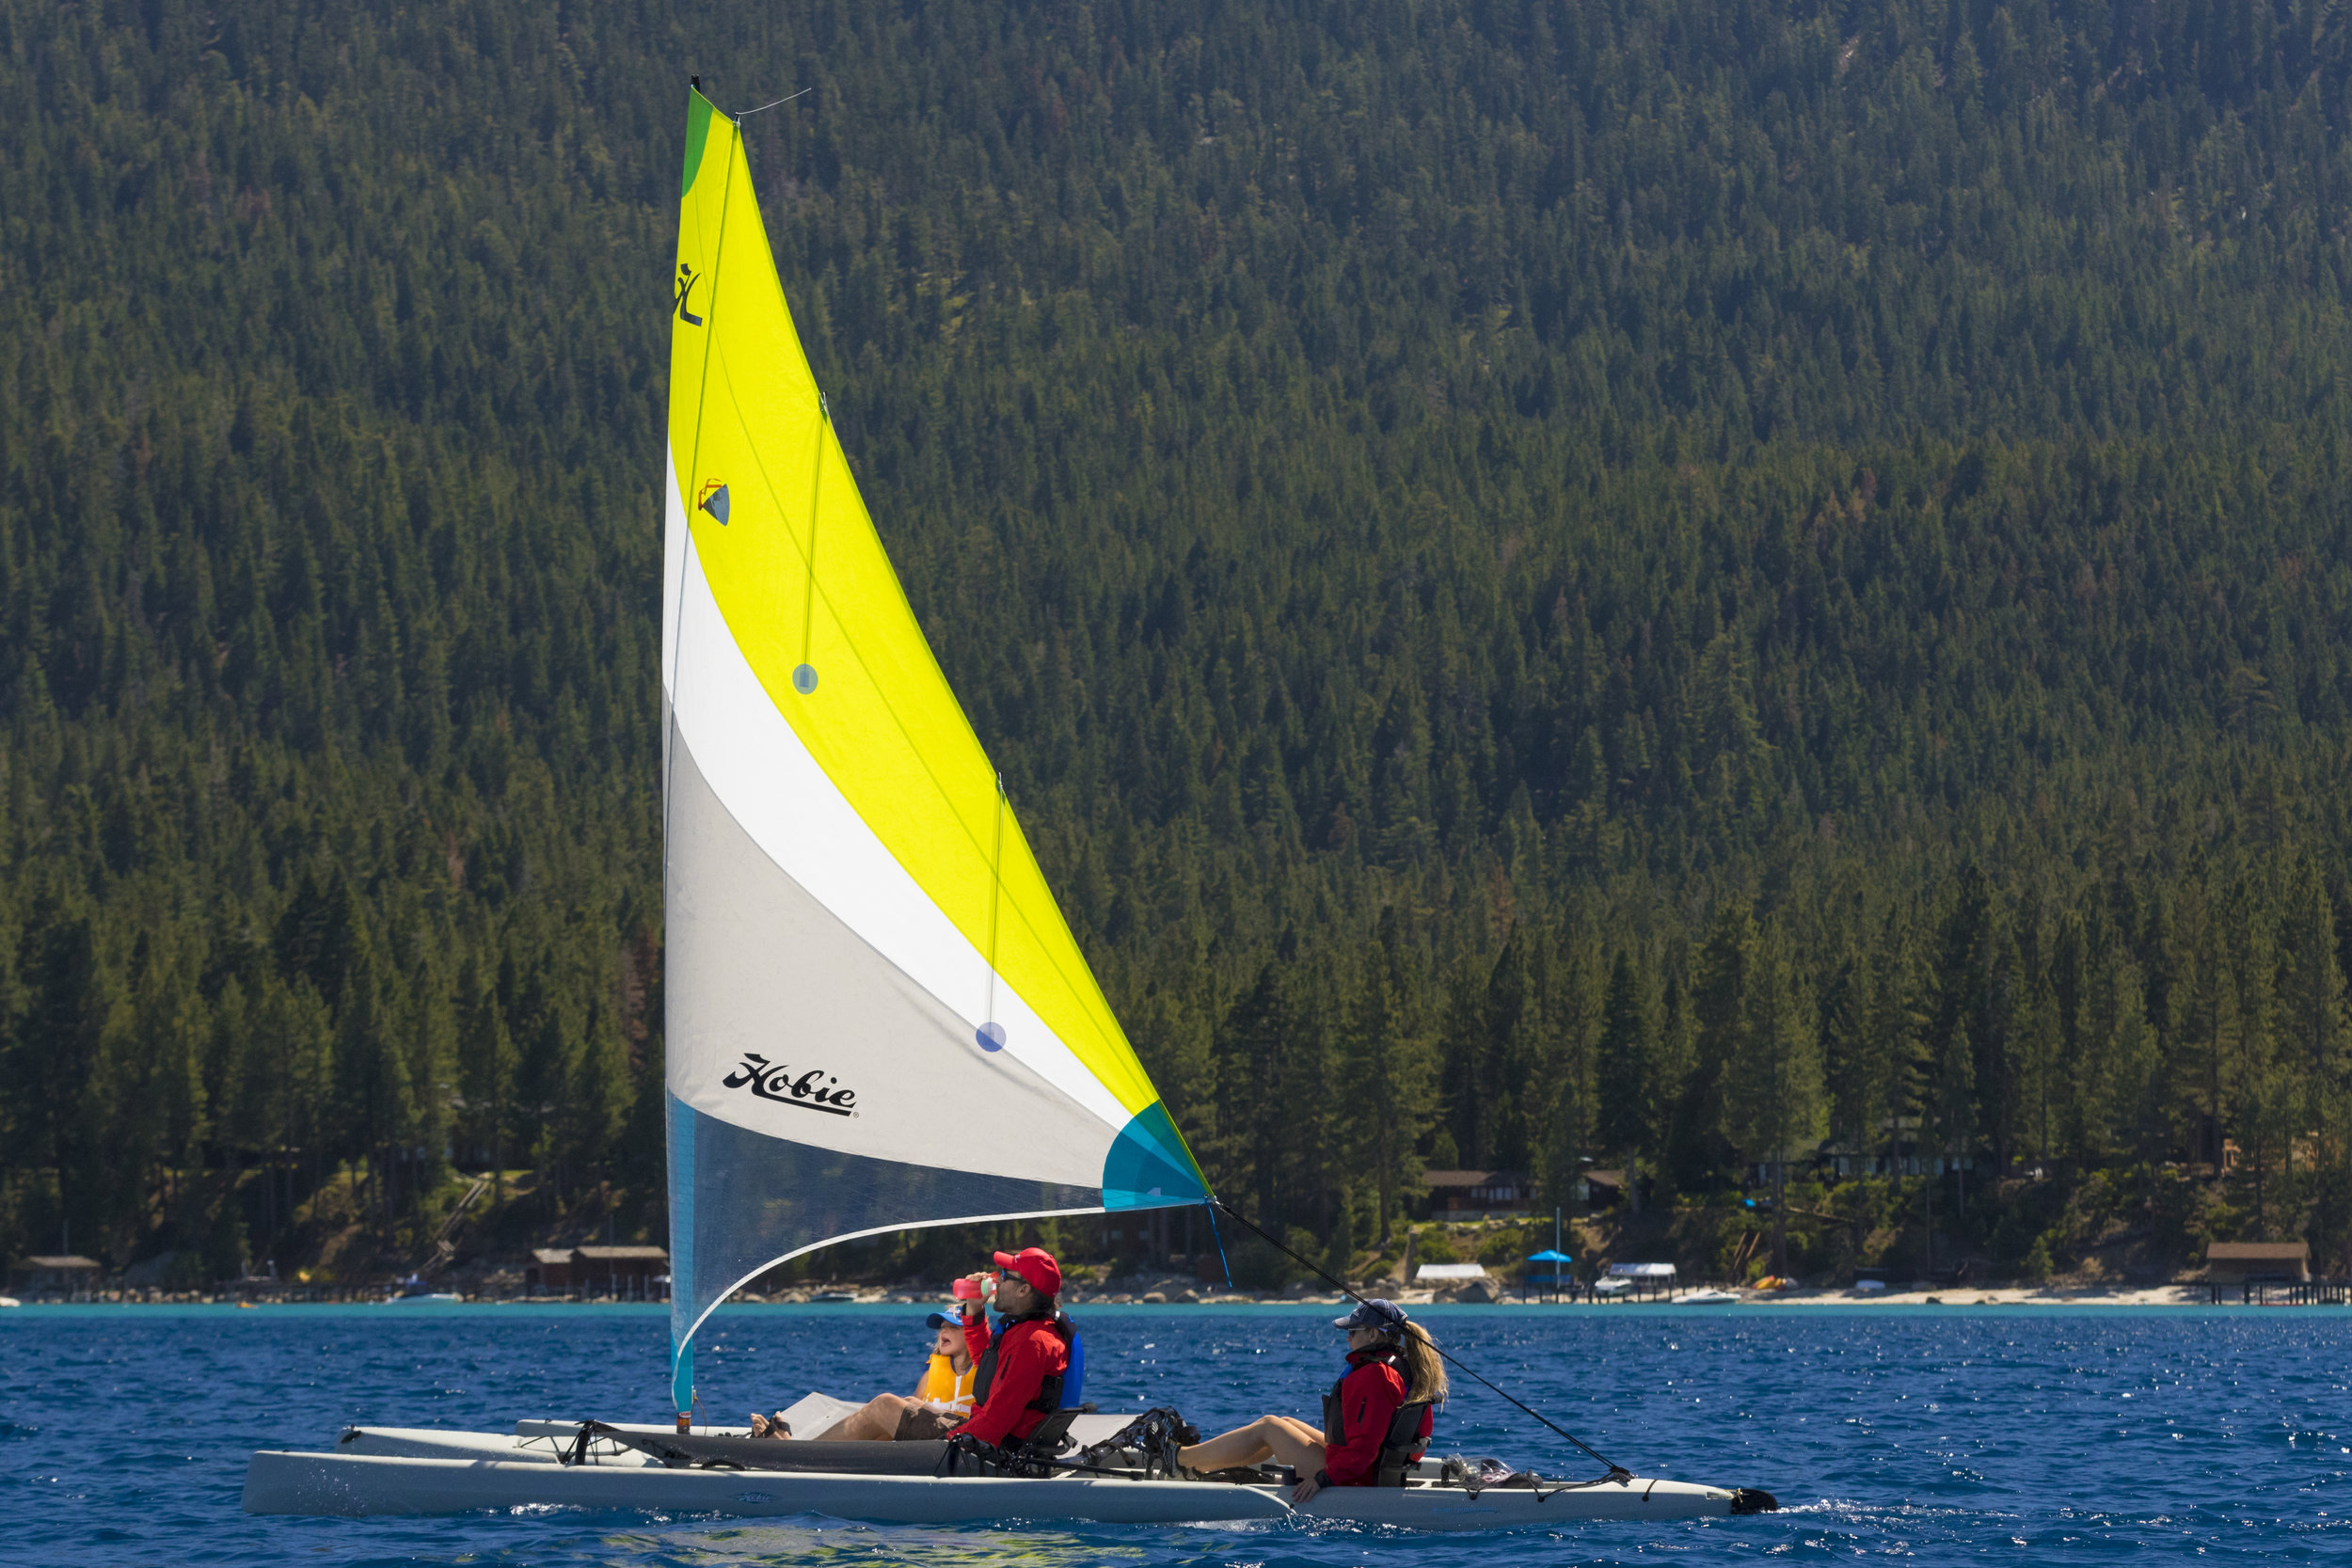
1304	1492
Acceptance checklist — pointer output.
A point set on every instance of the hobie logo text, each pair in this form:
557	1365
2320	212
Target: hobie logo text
813	1090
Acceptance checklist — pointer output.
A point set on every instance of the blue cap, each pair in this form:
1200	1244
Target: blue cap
941	1320
1376	1313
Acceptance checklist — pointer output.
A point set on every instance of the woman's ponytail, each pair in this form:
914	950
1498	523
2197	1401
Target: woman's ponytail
1424	1369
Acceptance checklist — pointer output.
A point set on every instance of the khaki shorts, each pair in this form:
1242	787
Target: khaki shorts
920	1423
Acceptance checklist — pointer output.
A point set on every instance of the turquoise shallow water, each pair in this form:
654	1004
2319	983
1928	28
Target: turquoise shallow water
1937	1435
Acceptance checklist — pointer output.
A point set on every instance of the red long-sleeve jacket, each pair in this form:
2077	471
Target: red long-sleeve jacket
1368	1397
1031	1352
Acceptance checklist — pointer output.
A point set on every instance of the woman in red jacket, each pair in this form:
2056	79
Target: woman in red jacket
1391	1360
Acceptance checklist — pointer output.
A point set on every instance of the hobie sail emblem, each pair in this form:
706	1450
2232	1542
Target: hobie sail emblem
842	872
813	1090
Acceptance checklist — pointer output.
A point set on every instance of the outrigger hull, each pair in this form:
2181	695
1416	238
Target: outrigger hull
415	1472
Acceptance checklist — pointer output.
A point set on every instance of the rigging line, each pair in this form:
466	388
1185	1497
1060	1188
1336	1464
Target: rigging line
816	493
693	466
995	897
1222	1262
765	108
1614	1468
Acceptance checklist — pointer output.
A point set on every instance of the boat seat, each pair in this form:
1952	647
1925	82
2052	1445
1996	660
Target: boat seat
1052	1434
1400	1447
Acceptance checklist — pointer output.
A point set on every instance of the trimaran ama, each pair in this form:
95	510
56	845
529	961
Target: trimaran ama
863	959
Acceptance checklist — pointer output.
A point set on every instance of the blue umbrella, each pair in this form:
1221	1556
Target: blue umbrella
1554	1279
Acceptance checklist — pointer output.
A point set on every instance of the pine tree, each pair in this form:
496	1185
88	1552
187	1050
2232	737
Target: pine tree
485	1069
1772	1093
1389	1067
2261	1100
1565	1127
1631	1108
2207	1018
55	1056
2310	1023
1721	1019
1254	1123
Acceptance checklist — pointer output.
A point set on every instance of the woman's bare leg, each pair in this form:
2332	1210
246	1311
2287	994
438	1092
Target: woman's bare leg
875	1421
1277	1437
1296	1444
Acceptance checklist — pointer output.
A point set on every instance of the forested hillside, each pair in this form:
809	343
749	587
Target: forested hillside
1568	581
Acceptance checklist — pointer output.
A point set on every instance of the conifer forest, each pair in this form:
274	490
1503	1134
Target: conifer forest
1755	592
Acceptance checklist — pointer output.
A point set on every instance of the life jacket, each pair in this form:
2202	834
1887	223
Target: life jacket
1401	1444
942	1385
1049	1392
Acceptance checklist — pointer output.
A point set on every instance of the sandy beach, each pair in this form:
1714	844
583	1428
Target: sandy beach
2013	1295
2016	1295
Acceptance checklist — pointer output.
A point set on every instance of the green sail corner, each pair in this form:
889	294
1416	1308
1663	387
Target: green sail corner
1148	1167
697	132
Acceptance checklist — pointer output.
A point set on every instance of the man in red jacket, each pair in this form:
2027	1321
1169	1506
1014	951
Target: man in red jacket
1020	1370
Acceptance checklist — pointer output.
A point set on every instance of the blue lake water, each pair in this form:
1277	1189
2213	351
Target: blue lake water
2007	1433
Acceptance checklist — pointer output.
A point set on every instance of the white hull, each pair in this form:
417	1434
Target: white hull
412	1472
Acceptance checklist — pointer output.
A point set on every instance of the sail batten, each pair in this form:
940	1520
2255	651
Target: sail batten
877	1018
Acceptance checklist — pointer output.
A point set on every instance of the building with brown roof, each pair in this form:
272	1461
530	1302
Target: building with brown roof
64	1274
619	1271
549	1269
1473	1195
2235	1263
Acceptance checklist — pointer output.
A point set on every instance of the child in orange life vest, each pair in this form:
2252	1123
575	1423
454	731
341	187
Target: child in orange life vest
941	1399
948	1381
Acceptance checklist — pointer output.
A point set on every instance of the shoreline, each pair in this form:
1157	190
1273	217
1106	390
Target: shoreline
2173	1296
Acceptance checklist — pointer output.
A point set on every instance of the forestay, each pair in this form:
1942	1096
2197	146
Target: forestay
877	1018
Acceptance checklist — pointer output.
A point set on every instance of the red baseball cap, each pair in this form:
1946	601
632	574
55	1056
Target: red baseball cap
1035	1265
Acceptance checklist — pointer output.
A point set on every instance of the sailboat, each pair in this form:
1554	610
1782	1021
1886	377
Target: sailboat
877	1016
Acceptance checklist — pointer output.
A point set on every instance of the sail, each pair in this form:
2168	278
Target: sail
876	1016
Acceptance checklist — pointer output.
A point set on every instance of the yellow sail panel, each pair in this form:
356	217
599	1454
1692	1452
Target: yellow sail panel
835	647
